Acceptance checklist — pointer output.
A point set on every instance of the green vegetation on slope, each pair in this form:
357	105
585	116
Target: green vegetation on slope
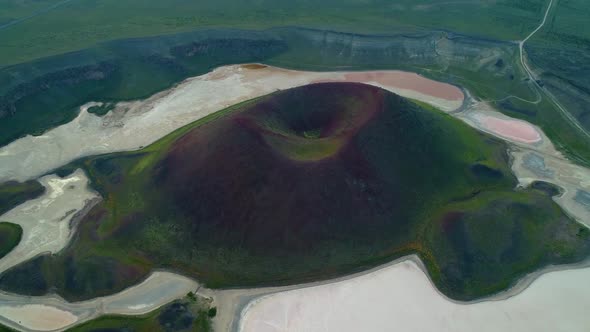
13	193
44	94
6	329
10	236
495	232
406	179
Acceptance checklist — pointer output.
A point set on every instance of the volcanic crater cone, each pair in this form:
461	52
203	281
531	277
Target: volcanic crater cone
310	183
287	173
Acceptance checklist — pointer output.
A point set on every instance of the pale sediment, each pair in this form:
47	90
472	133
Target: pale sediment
38	317
409	81
402	296
572	179
46	220
33	313
516	130
483	117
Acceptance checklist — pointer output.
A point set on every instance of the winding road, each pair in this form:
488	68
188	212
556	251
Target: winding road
533	78
35	14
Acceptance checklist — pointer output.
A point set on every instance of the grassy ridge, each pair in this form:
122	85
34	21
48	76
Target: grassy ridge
10	236
13	194
495	232
82	24
180	204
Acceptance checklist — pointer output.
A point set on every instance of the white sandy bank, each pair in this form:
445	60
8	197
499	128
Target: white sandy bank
53	313
38	317
46	220
401	298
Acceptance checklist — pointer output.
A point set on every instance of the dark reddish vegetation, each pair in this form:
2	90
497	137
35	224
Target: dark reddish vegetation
240	190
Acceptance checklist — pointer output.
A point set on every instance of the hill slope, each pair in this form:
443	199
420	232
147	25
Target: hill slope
305	184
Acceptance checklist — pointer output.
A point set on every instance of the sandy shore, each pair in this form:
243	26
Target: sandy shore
38	317
533	165
408	81
54	313
46	220
158	289
510	129
484	117
401	295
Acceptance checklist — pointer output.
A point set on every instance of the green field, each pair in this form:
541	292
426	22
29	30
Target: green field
10	236
15	193
6	329
80	24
